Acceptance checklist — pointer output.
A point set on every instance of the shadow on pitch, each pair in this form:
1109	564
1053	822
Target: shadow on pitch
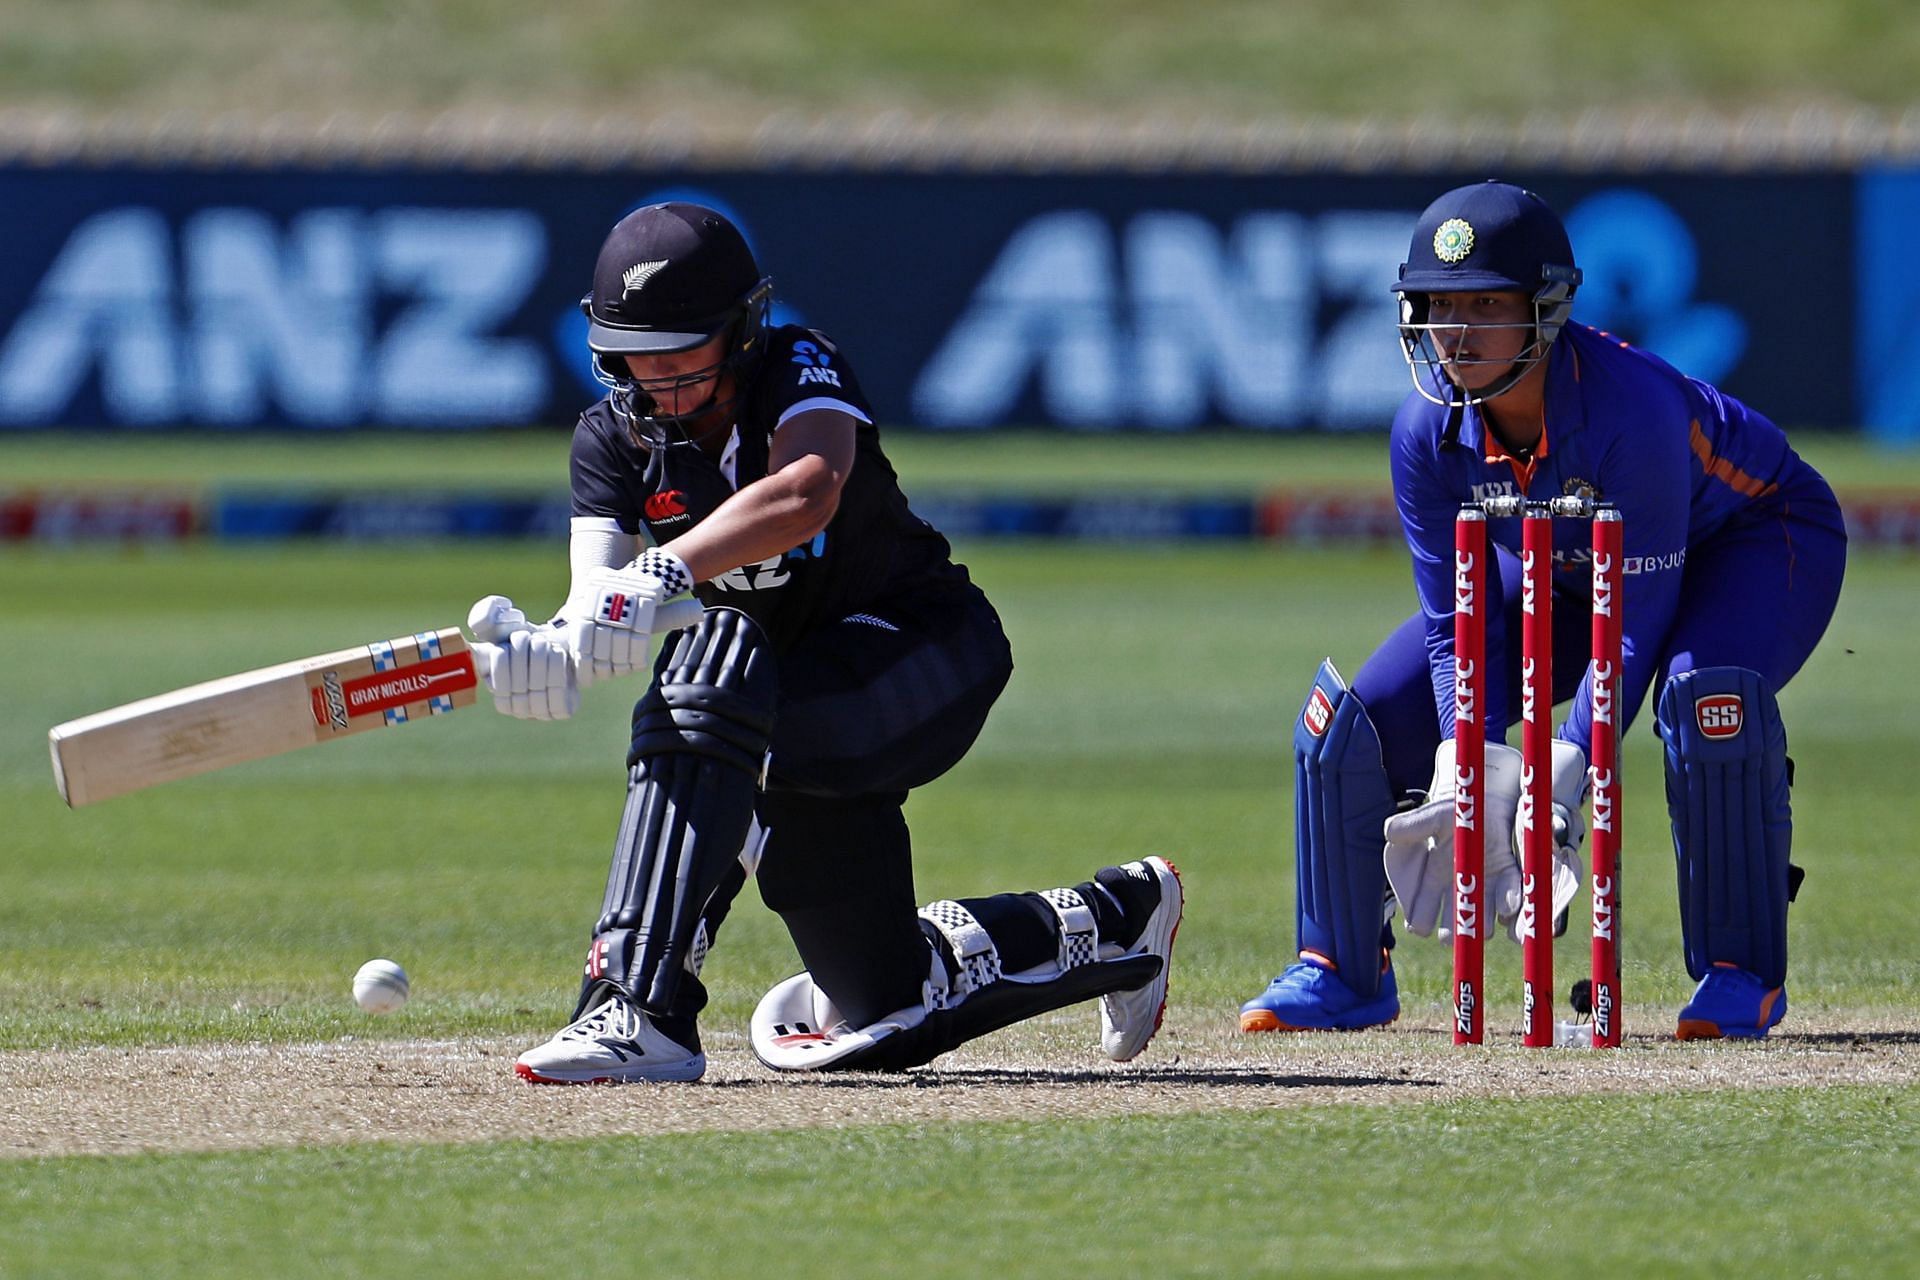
1853	1039
1049	1078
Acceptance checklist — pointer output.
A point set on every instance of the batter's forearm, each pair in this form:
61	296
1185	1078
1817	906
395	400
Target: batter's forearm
765	519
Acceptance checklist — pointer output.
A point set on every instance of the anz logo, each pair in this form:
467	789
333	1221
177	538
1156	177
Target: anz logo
814	365
1274	319
1641	264
1169	320
334	316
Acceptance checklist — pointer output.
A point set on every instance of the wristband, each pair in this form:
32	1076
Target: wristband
667	567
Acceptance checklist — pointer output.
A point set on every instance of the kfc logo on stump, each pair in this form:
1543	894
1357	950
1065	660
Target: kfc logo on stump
1719	715
1319	713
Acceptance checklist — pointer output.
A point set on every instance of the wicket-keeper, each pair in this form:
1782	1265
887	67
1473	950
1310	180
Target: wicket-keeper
1735	549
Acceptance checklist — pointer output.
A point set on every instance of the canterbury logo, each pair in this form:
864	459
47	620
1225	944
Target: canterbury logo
638	274
665	506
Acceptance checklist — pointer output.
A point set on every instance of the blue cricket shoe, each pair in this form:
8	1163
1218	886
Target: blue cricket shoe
1731	1002
1310	997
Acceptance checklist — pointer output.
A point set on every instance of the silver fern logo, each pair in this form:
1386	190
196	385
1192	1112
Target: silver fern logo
637	276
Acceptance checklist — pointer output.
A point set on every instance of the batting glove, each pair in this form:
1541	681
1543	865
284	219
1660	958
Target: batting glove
529	670
612	639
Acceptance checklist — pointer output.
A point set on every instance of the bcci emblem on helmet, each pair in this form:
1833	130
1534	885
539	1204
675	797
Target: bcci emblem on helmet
1453	240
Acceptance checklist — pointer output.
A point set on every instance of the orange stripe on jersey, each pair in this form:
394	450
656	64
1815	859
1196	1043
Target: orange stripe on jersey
1723	471
1522	471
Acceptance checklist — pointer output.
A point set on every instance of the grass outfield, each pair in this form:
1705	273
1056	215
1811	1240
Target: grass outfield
1044	462
234	909
1124	732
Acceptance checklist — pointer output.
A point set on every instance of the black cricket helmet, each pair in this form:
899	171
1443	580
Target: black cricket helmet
1490	236
672	277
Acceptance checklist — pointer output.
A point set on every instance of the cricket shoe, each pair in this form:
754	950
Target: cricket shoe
1311	997
1731	1002
614	1043
1129	1019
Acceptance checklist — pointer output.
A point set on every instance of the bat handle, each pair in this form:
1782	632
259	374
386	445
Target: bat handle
493	620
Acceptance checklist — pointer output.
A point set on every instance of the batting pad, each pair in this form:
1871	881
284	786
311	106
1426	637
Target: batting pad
699	741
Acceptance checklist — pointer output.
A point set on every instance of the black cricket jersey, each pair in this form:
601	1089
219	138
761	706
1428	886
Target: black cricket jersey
873	551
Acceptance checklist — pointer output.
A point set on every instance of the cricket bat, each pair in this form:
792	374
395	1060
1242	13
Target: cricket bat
261	713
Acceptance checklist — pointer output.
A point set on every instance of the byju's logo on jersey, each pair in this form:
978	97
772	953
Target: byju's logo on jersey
814	364
1654	564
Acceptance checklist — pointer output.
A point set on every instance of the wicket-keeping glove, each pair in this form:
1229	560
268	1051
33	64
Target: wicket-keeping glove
1419	850
1569	830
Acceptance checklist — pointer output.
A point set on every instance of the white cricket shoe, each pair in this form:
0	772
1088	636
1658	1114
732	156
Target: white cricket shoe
1129	1019
614	1043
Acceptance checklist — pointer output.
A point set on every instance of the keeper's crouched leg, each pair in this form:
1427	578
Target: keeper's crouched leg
1343	978
995	961
1728	780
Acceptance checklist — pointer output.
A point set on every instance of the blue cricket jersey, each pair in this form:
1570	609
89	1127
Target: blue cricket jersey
1678	458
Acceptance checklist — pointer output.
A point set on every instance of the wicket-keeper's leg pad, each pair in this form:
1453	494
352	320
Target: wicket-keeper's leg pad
699	744
1341	801
1063	954
1727	783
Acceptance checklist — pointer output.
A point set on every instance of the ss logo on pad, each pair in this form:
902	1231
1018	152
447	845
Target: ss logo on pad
1719	715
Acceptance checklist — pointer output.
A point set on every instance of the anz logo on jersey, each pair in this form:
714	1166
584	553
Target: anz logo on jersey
771	572
814	364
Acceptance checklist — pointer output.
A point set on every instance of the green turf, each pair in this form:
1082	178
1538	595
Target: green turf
1077	59
235	905
1148	714
1789	1183
929	462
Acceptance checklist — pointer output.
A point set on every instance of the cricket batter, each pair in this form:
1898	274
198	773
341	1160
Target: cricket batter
1735	549
843	659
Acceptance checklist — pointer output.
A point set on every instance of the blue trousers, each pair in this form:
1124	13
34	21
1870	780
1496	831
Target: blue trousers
1758	594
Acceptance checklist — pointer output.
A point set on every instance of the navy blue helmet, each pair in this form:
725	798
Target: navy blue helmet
669	278
1490	236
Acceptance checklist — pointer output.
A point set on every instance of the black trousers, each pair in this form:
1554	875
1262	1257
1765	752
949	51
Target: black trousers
870	707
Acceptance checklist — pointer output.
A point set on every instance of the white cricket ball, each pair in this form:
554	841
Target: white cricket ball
380	986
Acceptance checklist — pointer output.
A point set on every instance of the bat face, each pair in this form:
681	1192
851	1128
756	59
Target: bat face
261	713
422	672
